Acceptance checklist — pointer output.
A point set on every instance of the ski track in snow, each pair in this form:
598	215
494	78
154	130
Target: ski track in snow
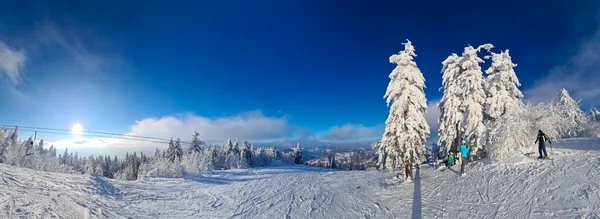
566	187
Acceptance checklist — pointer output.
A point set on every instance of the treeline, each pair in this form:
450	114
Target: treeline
197	159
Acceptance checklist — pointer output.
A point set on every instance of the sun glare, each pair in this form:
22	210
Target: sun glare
76	129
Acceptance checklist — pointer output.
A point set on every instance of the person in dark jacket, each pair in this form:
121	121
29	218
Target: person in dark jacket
541	140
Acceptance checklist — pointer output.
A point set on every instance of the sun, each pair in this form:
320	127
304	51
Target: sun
77	129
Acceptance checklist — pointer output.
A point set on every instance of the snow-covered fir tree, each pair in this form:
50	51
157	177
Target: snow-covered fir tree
504	96
245	155
406	128
463	100
228	147
298	154
504	99
570	109
174	151
178	149
195	146
594	115
236	147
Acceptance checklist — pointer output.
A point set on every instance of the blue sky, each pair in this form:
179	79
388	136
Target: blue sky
267	70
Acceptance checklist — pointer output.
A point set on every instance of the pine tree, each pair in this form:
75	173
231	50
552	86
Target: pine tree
195	145
76	162
65	157
569	109
156	154
406	128
594	115
170	154
463	101
52	151
236	148
40	148
504	96
298	154
228	147
178	149
504	99
245	155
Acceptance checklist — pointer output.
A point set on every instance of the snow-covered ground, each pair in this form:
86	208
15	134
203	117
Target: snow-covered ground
566	187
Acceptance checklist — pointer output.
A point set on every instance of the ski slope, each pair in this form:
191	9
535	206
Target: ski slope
566	187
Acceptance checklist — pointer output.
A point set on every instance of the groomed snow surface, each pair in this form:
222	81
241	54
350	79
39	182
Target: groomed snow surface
566	187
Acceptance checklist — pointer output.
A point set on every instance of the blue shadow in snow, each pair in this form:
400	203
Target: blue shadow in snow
417	208
219	180
103	187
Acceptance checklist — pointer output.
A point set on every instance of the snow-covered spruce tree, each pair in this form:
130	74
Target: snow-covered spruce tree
170	153
245	155
236	147
463	100
569	109
592	129
195	146
298	154
178	149
406	128
174	152
594	115
228	147
503	106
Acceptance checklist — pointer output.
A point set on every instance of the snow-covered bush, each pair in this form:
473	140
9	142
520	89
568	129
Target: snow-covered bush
516	135
195	164
192	164
161	167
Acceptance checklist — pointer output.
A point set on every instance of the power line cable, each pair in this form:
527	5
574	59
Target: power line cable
101	136
94	134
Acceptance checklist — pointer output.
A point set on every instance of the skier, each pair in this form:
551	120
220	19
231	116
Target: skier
464	152
541	140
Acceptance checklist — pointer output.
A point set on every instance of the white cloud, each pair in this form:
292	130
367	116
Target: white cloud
11	63
246	126
79	142
579	75
251	126
351	132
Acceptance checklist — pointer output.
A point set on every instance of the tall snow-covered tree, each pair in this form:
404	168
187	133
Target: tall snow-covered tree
236	147
245	155
170	154
65	157
504	96
178	149
464	98
298	154
570	109
228	147
195	146
406	128
504	99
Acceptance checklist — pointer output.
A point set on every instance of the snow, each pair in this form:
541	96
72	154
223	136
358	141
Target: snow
566	187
